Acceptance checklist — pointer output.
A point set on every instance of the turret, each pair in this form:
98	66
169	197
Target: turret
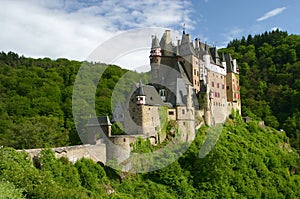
140	95
155	59
206	56
155	53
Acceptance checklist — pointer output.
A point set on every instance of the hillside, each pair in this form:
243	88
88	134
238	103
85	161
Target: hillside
270	79
248	161
36	99
243	164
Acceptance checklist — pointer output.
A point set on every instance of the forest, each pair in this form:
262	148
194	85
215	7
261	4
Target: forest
248	161
270	79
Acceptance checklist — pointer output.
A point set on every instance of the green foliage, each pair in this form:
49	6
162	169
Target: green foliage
36	98
117	128
242	164
244	161
142	146
9	191
91	174
269	77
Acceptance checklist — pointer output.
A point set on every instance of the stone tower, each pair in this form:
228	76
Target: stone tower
232	85
155	59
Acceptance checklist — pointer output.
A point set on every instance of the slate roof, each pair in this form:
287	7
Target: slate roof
155	43
140	90
229	64
166	44
152	97
118	114
186	47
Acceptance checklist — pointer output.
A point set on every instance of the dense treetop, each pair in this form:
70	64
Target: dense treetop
36	99
270	79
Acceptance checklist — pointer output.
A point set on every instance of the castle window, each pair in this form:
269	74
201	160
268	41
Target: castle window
194	71
162	92
227	87
151	98
171	112
195	82
183	111
218	85
124	140
223	86
212	84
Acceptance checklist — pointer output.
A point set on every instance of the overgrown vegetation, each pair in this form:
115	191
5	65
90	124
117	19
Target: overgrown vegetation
270	79
243	164
36	99
247	161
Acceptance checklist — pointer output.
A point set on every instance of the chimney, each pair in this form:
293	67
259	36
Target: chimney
188	37
168	36
196	43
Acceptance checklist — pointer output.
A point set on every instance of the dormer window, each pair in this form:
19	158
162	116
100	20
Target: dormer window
140	100
162	93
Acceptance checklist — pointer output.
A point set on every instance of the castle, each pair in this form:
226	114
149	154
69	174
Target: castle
190	84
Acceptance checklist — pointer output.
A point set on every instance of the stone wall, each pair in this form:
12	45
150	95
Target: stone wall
118	147
217	97
95	152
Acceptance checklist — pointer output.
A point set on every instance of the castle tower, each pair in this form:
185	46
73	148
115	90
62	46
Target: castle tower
232	85
155	59
140	95
191	60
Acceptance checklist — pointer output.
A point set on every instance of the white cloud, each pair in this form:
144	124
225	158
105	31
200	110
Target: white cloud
271	13
74	28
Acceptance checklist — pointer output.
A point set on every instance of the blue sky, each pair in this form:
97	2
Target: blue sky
74	28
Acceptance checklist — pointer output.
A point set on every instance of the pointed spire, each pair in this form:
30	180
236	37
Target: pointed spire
183	28
166	43
223	57
155	43
140	91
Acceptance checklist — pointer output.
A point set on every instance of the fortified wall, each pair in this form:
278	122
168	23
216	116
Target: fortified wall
95	152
